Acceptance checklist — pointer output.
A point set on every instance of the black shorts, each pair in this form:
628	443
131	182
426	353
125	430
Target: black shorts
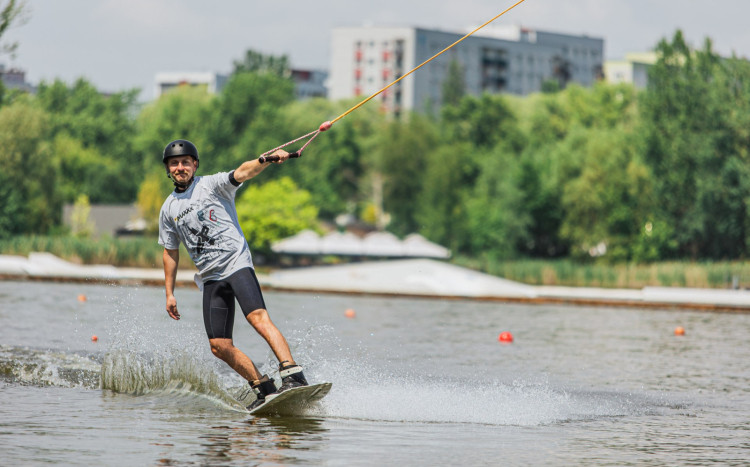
218	301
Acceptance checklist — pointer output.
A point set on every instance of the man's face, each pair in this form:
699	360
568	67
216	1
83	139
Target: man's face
181	168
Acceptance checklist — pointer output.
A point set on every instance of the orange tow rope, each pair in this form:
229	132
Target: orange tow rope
417	68
326	125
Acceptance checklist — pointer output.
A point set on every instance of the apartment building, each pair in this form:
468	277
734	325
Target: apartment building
502	59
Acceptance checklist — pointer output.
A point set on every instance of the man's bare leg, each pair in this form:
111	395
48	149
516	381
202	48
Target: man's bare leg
235	358
291	374
262	323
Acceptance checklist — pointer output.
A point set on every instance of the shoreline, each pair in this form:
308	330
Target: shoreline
413	278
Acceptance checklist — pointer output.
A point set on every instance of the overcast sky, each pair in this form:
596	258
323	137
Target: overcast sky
122	44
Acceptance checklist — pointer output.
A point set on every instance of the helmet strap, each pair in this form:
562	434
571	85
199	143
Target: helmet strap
181	187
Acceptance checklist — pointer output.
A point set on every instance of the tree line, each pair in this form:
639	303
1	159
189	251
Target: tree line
609	171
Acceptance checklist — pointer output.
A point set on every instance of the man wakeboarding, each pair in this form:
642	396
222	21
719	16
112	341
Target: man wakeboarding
201	214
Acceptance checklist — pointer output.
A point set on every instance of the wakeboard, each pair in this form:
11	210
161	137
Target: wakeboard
293	401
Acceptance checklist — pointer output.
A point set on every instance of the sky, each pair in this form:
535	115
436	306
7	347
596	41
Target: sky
119	45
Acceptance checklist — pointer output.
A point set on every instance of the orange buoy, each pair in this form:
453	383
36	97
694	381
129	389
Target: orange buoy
94	338
505	337
81	298
349	313
679	331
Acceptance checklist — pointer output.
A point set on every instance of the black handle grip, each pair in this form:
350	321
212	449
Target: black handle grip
264	159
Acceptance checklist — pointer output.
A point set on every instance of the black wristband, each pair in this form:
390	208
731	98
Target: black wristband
233	180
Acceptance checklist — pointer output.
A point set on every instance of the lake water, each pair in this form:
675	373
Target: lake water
415	382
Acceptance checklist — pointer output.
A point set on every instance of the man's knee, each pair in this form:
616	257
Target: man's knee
259	319
221	348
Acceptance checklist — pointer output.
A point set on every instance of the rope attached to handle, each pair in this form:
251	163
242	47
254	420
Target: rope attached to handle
266	158
327	125
424	63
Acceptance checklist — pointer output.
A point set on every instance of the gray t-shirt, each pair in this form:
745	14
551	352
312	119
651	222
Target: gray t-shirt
205	220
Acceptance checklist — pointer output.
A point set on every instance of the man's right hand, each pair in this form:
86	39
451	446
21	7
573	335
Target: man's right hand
172	308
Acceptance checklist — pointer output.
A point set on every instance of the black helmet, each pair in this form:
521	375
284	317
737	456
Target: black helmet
180	147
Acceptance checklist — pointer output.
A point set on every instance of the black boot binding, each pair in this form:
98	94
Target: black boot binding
291	376
261	387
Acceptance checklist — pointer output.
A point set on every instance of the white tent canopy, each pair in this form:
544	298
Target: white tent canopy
417	245
337	243
382	244
376	244
306	242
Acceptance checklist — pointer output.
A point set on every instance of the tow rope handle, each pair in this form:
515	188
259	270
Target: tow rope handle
264	159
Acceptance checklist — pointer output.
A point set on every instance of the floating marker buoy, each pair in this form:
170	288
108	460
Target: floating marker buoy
505	337
679	331
81	298
94	338
349	313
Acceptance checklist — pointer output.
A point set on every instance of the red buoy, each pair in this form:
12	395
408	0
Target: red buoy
505	337
679	331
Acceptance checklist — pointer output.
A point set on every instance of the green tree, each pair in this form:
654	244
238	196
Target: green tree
246	117
274	210
96	130
402	154
497	219
29	170
440	207
484	131
454	86
12	207
81	224
551	86
484	122
83	171
559	128
256	62
541	178
696	150
334	167
151	195
12	12
610	201
182	113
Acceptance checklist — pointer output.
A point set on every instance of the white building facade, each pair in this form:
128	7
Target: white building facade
632	70
511	60
213	83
